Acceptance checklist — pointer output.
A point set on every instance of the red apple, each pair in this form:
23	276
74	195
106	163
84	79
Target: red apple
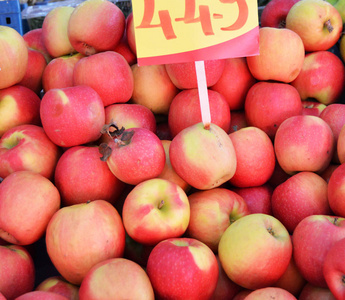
268	104
204	158
34	40
336	191
185	110
27	147
234	82
255	157
312	107
18	105
96	26
117	276
14	58
312	292
212	212
17	271
322	27
81	235
58	285
108	73
81	176
155	210
322	77
341	145
41	295
183	75
304	143
182	268
312	239
302	195
276	62
271	293
26	211
255	251
72	116
130	34
123	48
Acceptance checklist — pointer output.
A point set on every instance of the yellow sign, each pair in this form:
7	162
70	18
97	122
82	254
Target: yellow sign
171	31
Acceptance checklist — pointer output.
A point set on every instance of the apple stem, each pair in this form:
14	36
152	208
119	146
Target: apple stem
270	231
329	26
160	205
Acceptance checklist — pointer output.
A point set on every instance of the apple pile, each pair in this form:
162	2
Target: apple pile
108	164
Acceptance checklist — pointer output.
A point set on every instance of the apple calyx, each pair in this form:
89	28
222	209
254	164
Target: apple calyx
88	50
328	25
161	203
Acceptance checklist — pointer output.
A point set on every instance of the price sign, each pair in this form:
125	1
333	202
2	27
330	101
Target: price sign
173	31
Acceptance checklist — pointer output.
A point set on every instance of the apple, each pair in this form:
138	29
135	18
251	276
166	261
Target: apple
27	147
159	98
136	155
183	75
18	106
95	26
312	239
117	276
275	12
342	47
204	158
81	235
123	48
255	157
271	293
72	116
182	268
34	72
212	212
34	40
41	295
14	58
169	172
257	198
52	75
54	31
341	145
57	284
237	120
108	73
275	62
268	104
234	82
336	191
26	211
81	176
312	292
250	249
302	195
130	34
322	77
304	143
185	110
322	27
312	107
17	271
155	210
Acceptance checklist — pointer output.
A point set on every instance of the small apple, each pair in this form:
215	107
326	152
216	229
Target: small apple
336	191
57	284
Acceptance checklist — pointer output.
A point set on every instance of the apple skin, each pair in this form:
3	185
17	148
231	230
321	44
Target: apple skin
155	210
130	34
17	271
268	104
185	110
139	159
204	158
212	212
275	62
255	157
275	12
250	249
322	27
116	276
108	73
27	147
25	212
336	186
14	58
302	195
123	48
311	292
97	230
322	77
342	47
41	295
158	100
234	82
34	40
51	77
54	31
182	268
312	107
81	176
304	143
312	239
57	284
272	293
341	145
183	75
19	106
72	116
96	26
